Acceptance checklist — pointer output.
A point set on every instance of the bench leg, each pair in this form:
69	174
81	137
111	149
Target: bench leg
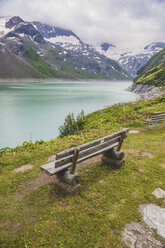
113	158
68	181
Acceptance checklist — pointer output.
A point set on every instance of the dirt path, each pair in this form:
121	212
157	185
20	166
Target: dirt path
35	183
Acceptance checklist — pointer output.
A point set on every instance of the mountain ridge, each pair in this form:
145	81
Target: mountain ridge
153	72
132	60
50	53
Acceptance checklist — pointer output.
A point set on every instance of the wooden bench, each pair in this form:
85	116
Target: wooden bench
159	116
65	164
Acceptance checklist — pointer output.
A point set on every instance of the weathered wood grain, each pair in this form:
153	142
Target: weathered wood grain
114	154
110	161
159	116
85	146
74	161
71	157
51	170
86	152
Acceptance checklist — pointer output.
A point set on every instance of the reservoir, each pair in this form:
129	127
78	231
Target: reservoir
34	111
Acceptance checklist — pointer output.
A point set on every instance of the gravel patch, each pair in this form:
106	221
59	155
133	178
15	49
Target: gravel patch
24	168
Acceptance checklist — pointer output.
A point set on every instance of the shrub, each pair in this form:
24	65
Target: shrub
72	125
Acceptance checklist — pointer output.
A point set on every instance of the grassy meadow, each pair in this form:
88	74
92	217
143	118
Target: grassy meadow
36	213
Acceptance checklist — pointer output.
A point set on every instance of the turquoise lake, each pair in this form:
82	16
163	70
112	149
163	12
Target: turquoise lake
36	110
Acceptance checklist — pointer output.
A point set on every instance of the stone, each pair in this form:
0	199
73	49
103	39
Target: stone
135	235
146	91
159	193
24	168
133	131
148	154
154	217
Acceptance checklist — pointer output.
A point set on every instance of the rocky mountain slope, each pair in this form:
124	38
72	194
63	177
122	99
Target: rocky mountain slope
36	50
153	72
150	80
131	61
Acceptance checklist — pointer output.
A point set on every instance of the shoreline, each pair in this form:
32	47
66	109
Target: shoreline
53	80
146	91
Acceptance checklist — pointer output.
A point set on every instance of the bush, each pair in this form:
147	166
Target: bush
72	125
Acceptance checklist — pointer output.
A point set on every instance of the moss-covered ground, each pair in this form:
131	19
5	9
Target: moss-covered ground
46	216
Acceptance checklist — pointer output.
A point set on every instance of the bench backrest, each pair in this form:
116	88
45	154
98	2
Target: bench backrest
90	149
159	116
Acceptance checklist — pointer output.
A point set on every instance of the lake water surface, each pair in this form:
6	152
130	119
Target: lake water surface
36	110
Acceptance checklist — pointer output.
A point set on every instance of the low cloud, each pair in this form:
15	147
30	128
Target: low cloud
127	23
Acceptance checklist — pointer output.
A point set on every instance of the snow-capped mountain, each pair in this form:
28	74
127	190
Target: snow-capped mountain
58	36
131	60
39	46
63	38
15	27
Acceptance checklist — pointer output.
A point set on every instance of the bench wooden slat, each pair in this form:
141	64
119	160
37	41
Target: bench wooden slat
85	146
51	170
156	120
159	113
159	118
83	153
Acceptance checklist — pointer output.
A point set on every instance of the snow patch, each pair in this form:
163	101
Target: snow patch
63	39
3	29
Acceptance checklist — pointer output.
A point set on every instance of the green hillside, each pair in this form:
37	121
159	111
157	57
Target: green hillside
30	60
153	72
31	65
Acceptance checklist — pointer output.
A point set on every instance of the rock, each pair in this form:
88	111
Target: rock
15	20
136	236
148	154
146	91
133	131
24	168
154	217
159	193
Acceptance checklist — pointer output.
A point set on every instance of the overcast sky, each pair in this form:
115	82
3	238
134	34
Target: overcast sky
126	23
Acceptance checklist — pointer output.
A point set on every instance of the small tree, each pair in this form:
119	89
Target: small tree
72	125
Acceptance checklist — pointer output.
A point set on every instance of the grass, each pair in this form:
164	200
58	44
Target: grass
43	69
36	214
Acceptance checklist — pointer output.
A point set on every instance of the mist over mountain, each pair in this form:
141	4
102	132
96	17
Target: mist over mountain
37	50
126	24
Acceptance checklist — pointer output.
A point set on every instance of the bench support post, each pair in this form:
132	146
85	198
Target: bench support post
114	162
123	136
75	158
68	179
115	157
